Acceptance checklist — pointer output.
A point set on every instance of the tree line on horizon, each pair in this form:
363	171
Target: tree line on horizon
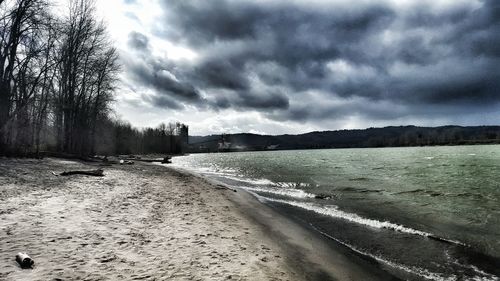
171	138
394	136
58	76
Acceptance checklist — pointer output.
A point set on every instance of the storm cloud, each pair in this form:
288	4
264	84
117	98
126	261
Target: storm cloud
318	60
138	41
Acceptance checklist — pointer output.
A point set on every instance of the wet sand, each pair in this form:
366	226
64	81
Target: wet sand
149	222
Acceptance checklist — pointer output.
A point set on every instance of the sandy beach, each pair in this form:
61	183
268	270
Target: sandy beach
149	222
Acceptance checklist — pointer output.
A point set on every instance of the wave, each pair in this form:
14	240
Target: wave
359	179
357	189
232	176
292	184
249	180
287	189
411	191
295	193
422	191
421	272
447	194
333	211
416	271
266	182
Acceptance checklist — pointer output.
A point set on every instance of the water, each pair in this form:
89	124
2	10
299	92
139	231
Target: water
422	213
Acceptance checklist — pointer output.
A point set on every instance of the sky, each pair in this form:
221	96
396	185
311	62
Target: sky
294	66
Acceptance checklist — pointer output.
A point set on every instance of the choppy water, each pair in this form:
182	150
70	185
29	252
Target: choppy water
422	213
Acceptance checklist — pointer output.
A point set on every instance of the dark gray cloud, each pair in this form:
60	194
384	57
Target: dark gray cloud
138	41
267	55
221	73
165	83
170	88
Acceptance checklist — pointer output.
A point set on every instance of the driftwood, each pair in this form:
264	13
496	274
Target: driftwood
145	160
95	173
159	160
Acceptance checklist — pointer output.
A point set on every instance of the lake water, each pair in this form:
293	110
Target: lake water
422	212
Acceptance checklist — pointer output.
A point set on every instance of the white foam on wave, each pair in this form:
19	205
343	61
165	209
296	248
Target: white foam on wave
291	184
226	173
226	170
288	192
335	212
482	276
424	273
278	188
231	174
250	181
204	170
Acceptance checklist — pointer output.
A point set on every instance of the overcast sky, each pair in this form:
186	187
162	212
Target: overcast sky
290	66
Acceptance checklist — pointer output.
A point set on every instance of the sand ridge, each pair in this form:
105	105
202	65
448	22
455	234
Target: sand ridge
138	222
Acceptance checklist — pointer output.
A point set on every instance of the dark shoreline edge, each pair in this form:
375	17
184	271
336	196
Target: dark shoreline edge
316	256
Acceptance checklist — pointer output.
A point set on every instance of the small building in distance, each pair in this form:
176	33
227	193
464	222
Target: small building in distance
183	132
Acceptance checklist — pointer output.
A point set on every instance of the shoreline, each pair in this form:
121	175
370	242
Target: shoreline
325	259
153	222
419	214
319	257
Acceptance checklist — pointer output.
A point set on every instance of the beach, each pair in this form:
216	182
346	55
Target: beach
150	222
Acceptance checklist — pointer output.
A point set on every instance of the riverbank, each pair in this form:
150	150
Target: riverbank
149	222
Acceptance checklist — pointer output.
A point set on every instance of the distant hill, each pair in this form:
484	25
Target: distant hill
372	137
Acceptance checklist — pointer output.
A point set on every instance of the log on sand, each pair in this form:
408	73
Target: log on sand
159	160
95	173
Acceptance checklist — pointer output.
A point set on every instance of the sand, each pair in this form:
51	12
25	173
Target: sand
148	222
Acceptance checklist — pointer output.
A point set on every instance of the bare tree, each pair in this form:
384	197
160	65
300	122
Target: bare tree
21	25
57	78
55	74
87	74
